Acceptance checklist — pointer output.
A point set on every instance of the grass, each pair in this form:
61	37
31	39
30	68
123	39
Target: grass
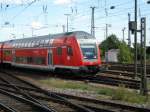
58	83
128	96
120	93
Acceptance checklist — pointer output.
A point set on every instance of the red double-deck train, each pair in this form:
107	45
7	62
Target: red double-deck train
72	51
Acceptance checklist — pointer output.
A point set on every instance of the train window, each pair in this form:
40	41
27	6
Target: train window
28	44
21	44
47	42
7	53
17	59
42	42
13	44
69	51
39	60
32	44
24	60
29	59
25	44
21	59
16	45
59	51
36	43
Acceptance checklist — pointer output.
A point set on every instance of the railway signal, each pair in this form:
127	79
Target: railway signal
132	28
143	57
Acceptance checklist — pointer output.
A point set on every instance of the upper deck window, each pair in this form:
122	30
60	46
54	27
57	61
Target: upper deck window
47	42
32	44
42	42
36	44
26	44
69	51
59	51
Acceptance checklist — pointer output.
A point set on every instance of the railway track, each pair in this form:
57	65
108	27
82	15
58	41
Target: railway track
123	64
116	81
19	96
78	104
100	78
120	73
125	67
123	73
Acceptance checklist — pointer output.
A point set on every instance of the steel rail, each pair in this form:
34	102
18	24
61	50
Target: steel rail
109	103
53	96
7	108
27	96
24	100
95	109
103	102
99	102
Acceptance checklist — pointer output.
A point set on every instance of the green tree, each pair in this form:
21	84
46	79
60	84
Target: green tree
111	42
125	55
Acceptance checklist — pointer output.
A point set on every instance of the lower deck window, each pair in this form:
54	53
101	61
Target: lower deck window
21	60
31	60
39	60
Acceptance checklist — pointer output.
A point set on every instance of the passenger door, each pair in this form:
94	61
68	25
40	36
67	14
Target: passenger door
50	57
13	55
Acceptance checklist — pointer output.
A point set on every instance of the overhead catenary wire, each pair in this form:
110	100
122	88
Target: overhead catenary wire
23	9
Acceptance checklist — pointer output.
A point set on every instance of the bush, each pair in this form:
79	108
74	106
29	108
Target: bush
125	55
111	42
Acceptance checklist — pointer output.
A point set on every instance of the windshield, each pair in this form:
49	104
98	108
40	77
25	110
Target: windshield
89	51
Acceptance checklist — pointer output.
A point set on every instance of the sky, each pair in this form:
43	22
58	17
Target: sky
26	18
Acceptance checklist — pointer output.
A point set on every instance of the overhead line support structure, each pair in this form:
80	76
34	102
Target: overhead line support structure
135	40
93	22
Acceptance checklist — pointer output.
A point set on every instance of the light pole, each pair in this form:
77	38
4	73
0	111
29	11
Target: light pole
148	2
63	27
106	30
129	34
135	39
32	30
93	22
123	30
67	21
107	25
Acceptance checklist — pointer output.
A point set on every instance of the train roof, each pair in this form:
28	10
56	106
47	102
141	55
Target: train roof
78	34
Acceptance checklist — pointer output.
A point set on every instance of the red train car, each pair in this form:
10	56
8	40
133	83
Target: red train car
72	51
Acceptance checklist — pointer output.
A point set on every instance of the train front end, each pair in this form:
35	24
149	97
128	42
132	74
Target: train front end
90	54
